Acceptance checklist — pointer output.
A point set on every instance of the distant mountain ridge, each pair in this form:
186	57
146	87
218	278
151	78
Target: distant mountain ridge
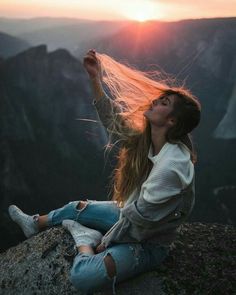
16	26
60	32
10	45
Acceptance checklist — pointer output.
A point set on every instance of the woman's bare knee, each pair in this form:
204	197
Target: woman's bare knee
110	265
81	204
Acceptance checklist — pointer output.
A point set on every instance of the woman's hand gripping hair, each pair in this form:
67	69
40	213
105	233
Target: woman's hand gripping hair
92	64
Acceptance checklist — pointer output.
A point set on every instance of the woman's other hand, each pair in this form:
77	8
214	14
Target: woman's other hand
92	64
100	248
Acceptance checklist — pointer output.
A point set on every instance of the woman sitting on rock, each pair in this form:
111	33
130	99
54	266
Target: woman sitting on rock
153	185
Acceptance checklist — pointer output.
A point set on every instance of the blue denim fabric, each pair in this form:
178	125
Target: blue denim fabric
100	215
89	273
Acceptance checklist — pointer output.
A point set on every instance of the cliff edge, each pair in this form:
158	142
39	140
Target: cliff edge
201	261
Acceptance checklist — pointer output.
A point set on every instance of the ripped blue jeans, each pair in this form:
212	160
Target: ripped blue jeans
89	273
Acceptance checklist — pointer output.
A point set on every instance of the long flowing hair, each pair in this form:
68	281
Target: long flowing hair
133	90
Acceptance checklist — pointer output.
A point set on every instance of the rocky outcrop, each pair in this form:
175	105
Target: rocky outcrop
201	261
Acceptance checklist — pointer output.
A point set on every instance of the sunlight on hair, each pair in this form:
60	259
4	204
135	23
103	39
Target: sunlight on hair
132	92
132	89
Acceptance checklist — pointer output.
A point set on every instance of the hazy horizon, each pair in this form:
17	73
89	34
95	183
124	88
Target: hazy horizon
140	10
87	19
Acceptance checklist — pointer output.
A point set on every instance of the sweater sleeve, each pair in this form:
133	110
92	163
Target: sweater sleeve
168	178
161	186
140	221
163	201
109	113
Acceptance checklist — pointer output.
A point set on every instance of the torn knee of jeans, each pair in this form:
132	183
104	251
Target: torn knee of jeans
81	205
110	265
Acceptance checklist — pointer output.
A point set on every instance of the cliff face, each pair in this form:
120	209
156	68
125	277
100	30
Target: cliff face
49	155
201	261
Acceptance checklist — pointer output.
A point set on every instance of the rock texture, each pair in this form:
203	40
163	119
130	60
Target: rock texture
201	261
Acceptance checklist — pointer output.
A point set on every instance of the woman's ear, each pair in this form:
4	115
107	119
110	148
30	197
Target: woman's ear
172	121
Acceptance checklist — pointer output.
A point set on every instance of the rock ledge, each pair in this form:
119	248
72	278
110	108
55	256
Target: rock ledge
202	261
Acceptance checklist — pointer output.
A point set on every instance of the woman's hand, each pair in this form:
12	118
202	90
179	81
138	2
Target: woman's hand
92	64
100	248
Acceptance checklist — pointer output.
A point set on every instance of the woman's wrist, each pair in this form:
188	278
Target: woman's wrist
97	87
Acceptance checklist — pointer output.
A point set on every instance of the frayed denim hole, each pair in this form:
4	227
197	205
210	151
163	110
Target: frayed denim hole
106	266
56	216
76	205
119	272
114	278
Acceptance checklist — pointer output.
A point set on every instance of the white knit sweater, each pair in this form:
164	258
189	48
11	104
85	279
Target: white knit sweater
172	171
172	168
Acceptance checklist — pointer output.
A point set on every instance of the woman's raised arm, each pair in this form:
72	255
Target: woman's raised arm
108	110
93	67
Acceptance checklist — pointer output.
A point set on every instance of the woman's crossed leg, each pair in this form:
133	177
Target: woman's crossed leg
91	273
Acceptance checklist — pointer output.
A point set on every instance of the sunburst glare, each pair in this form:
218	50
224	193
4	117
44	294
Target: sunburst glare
142	11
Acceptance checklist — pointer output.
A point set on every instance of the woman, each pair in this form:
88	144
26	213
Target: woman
153	184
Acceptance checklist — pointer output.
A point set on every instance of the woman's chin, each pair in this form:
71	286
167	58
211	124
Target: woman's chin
146	114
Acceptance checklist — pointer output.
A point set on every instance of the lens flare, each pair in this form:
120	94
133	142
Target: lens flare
142	11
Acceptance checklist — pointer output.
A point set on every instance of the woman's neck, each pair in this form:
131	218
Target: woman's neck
158	140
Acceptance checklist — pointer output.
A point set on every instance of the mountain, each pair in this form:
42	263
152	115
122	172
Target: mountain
226	128
16	26
201	261
10	45
71	36
48	157
51	148
201	53
67	33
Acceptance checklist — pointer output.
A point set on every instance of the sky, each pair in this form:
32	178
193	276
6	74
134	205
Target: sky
141	10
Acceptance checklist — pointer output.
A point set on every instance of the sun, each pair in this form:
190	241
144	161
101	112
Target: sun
141	11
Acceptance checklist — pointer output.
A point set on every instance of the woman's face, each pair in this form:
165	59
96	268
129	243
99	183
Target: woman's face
159	111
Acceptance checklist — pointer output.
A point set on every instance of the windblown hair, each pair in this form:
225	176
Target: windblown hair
133	91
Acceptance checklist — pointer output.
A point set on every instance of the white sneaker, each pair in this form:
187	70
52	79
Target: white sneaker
82	235
27	223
